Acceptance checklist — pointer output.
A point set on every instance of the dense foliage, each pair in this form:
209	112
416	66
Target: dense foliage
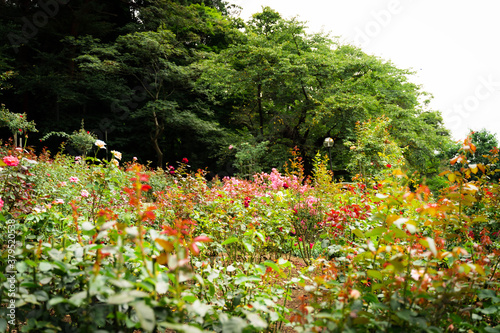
93	240
91	245
158	78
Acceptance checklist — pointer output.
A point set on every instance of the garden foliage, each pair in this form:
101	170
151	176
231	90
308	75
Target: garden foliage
119	247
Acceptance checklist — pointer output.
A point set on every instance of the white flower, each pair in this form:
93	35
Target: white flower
115	162
84	193
101	144
117	154
39	209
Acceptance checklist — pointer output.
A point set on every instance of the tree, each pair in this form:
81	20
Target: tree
294	89
86	62
374	150
482	154
160	63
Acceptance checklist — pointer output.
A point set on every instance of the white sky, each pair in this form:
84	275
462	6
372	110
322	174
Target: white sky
454	46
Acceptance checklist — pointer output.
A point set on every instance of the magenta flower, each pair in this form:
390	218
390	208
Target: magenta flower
74	179
1	203
11	160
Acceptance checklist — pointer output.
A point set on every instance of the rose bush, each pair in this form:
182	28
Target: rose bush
101	247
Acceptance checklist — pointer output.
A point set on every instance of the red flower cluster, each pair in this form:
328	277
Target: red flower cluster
246	202
337	218
182	232
185	160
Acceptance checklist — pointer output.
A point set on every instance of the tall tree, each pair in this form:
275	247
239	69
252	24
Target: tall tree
295	89
160	62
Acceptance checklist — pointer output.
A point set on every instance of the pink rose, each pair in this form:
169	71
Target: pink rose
74	179
11	160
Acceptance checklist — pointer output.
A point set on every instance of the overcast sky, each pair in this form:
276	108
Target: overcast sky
454	46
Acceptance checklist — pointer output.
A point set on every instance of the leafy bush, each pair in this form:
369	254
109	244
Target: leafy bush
103	247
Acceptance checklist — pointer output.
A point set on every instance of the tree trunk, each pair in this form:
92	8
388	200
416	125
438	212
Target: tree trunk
154	139
261	113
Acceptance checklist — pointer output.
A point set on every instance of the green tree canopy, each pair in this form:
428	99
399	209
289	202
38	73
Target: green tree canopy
294	89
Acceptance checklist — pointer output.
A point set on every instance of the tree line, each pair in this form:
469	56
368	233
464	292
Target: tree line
164	80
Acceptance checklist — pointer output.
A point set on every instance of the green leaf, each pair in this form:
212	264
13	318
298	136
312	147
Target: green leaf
190	298
120	298
325	243
3	325
230	240
41	295
489	310
406	315
30	263
45	266
234	325
261	236
78	298
274	266
243	278
200	308
486	293
476	317
55	300
146	316
284	263
480	219
248	246
374	274
31	298
179	327
28	284
256	321
370	298
358	233
375	232
429	243
398	233
121	283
